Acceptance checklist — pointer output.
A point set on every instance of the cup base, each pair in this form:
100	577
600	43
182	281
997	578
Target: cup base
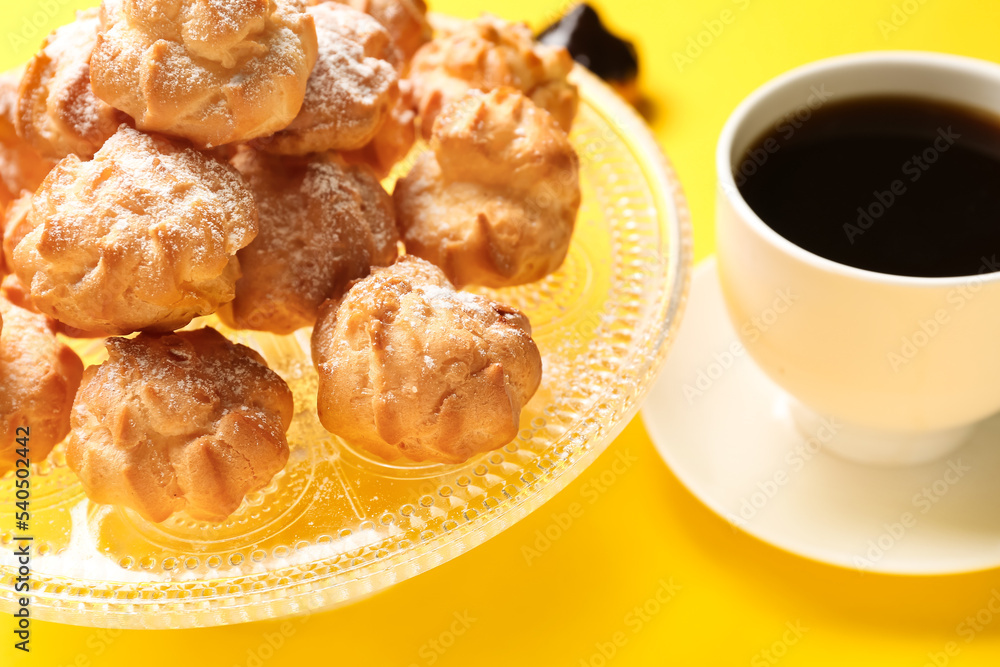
735	446
875	447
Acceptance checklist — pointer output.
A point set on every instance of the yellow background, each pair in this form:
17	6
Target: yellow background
737	595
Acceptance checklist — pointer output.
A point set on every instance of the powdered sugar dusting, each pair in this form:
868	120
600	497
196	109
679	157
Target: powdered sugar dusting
349	89
322	225
445	373
59	111
143	235
203	422
213	71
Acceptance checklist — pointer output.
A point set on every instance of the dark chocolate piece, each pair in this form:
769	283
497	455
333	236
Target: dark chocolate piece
592	45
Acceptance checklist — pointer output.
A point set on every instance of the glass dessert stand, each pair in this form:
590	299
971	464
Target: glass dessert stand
337	524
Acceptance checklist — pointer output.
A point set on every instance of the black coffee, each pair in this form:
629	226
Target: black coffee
902	185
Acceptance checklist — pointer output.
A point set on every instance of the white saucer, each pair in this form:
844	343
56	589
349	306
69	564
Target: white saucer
726	431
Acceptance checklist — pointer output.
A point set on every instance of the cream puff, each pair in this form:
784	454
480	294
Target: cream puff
21	167
494	202
487	53
322	224
14	226
211	71
57	112
406	21
410	368
187	421
141	238
394	139
39	376
350	90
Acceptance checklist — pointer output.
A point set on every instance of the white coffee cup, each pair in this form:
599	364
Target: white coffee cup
906	365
